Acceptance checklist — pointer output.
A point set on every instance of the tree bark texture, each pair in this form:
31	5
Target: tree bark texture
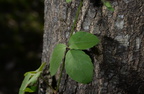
119	57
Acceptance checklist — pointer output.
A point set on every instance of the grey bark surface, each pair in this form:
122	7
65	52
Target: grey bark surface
119	57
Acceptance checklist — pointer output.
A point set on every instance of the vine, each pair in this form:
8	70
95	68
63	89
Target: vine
75	61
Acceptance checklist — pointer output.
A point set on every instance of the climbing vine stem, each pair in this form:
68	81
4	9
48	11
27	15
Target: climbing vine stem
71	56
72	30
61	71
76	17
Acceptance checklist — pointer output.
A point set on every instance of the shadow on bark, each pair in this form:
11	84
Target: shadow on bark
116	70
96	3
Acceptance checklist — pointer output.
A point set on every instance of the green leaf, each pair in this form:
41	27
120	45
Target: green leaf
56	58
41	67
31	72
34	78
110	8
24	83
83	40
78	66
28	90
30	78
31	89
108	5
68	1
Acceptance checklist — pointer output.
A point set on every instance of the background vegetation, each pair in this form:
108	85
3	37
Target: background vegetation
21	29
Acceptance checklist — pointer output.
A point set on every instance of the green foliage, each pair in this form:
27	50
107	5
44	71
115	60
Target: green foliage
68	1
21	27
82	40
31	89
108	5
28	84
77	63
24	84
56	58
78	66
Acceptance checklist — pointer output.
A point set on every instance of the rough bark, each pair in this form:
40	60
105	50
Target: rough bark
118	59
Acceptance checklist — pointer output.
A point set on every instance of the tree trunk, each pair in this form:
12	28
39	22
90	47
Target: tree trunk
119	57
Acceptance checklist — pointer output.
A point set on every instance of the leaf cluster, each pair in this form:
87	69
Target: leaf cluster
78	64
30	80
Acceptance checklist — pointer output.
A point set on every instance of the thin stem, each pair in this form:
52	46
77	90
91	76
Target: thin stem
103	1
76	18
46	82
72	30
61	71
